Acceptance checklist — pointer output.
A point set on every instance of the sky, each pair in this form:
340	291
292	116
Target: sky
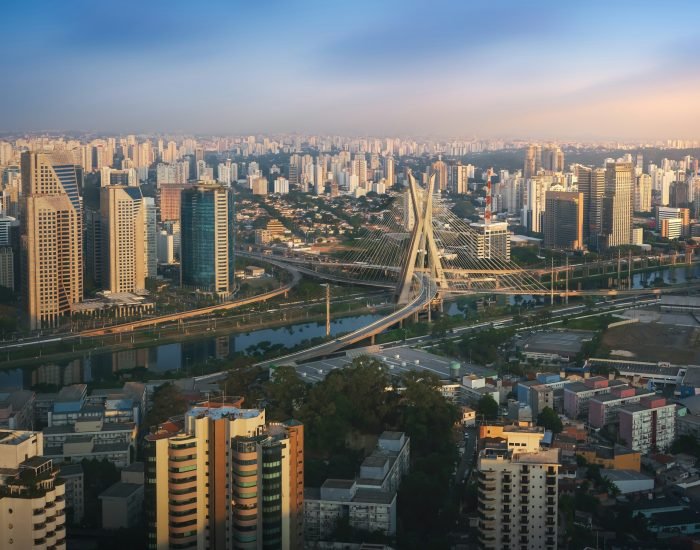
436	68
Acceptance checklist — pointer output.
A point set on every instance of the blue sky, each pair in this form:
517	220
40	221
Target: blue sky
622	69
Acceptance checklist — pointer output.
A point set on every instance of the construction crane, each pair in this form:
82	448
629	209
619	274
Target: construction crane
487	210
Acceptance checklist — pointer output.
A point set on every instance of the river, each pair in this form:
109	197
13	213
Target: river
104	367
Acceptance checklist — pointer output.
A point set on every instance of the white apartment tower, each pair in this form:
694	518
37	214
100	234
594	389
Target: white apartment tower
518	492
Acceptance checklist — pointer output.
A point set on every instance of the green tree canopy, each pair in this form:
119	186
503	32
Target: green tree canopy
487	407
549	420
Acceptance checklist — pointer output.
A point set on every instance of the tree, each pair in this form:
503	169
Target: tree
549	420
167	402
487	407
285	394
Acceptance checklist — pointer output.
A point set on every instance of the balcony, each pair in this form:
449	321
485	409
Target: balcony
551	481
525	480
505	510
551	491
524	530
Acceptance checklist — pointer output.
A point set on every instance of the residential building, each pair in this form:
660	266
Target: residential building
170	201
439	168
32	497
122	503
604	409
17	410
222	477
51	238
518	491
642	194
563	220
205	238
124	235
74	477
367	502
648	425
577	395
490	241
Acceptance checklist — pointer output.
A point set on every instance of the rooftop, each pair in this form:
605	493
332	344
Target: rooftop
624	475
121	490
338	483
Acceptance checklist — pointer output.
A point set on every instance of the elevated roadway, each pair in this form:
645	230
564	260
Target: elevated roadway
427	291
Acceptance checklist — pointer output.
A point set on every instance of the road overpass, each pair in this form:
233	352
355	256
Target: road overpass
426	292
199	312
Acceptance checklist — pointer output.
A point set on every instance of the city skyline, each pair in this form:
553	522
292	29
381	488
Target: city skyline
489	70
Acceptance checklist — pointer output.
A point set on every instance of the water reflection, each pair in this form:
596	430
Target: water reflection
97	367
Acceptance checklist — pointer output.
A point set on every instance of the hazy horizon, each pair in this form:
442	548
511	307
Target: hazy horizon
547	70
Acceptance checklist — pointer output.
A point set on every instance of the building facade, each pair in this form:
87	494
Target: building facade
518	492
205	238
648	425
32	497
563	220
223	478
51	238
124	235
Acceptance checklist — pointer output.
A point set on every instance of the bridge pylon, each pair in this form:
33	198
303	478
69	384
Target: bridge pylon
423	254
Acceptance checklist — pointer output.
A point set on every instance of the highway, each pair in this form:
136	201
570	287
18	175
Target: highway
427	291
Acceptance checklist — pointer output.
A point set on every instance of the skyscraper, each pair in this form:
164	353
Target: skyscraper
124	233
618	203
51	238
642	195
440	169
389	170
205	238
224	478
150	238
563	220
591	182
533	161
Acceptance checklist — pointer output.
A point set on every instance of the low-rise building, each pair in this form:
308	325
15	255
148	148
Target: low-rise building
90	438
629	481
368	502
17	410
122	503
612	458
577	395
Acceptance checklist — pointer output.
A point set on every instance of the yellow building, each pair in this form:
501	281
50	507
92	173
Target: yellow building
223	478
619	458
32	498
123	229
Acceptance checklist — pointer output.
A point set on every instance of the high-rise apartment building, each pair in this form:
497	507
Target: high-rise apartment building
618	205
205	238
517	491
32	499
123	215
553	159
490	241
649	425
51	238
224	478
389	166
439	168
642	194
533	161
563	220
